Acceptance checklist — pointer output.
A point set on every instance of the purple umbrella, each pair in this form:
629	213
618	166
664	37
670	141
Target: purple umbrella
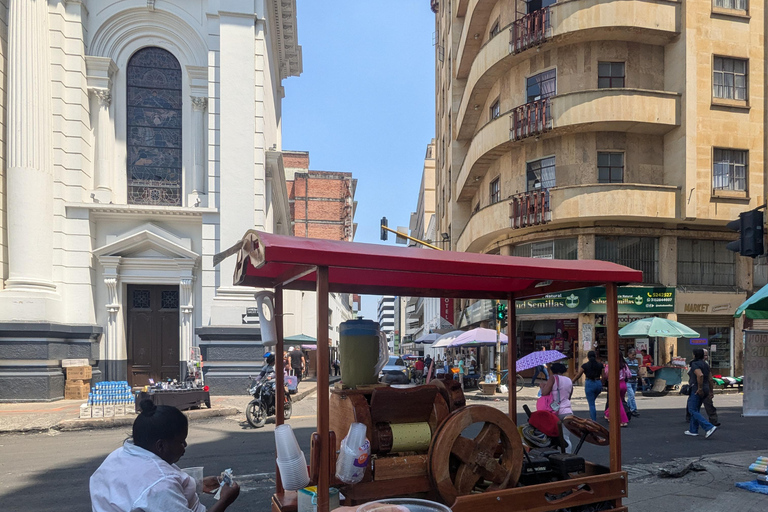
539	358
477	336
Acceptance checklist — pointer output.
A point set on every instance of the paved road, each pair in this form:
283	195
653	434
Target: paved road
49	472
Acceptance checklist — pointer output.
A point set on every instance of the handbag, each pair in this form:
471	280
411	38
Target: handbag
685	389
548	402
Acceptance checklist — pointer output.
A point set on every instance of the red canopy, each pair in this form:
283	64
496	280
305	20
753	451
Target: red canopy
267	260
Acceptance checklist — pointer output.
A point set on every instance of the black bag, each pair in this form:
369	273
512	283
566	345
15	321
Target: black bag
685	389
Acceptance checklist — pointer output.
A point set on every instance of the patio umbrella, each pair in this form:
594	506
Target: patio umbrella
539	358
427	338
755	307
657	327
476	337
444	340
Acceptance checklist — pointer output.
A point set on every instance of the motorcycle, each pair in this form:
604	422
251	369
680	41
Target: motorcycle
264	392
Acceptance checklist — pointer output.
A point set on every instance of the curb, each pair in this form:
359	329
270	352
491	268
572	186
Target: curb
300	396
122	421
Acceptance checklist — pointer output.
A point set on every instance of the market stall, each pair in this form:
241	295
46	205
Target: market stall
282	262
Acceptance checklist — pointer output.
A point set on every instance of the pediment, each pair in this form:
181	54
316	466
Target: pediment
147	241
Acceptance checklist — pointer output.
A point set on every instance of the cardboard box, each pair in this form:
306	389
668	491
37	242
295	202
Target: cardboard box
79	373
76	391
109	411
85	411
97	411
66	363
120	410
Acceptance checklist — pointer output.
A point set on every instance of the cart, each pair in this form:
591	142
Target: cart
282	262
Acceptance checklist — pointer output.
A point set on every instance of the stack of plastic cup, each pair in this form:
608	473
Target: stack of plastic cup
353	456
290	459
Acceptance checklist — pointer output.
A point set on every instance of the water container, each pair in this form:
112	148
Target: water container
362	351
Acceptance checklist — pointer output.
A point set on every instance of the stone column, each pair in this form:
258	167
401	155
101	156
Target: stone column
103	144
30	171
187	325
198	126
110	341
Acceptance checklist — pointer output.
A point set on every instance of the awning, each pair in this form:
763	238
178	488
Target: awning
755	307
267	260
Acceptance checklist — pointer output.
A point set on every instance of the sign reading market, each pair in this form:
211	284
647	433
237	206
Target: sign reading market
632	299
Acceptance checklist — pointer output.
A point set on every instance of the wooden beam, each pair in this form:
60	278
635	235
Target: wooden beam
279	373
512	357
612	321
323	356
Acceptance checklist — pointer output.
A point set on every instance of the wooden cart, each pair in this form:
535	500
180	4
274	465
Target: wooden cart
282	262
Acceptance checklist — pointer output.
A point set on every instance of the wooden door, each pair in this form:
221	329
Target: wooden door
153	333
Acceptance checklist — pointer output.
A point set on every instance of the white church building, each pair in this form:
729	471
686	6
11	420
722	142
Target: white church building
139	138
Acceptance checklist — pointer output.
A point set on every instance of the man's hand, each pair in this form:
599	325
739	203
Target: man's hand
700	392
229	493
210	484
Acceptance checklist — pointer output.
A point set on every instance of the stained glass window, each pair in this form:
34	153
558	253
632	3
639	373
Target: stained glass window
154	128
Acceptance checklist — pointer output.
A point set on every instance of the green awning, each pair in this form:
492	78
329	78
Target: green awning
755	307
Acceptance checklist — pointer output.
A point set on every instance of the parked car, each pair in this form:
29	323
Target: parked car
394	372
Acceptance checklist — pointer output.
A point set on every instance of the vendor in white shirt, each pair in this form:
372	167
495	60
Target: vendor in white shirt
142	475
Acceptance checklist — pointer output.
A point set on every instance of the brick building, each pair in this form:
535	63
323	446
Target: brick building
322	203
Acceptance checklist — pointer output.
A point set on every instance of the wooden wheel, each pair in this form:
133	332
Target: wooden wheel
591	431
457	464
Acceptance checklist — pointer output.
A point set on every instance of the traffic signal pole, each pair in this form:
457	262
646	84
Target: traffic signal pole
385	227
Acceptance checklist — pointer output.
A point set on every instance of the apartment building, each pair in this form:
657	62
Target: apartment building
629	131
385	315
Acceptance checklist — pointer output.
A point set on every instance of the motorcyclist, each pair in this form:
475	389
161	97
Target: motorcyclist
268	369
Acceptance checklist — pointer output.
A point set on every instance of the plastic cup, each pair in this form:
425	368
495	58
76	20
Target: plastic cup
356	435
294	473
286	443
196	473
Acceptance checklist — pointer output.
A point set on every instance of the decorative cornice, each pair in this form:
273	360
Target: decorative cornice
199	103
289	51
140	210
103	95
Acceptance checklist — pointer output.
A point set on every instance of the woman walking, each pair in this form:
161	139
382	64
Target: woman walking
592	370
624	375
561	388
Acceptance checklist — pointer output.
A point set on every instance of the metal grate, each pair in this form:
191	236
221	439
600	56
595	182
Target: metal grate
705	262
170	299
141	299
639	253
560	249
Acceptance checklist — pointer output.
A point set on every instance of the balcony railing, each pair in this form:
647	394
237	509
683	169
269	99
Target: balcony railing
530	209
530	30
531	119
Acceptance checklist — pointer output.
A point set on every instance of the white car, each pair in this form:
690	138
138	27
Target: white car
394	372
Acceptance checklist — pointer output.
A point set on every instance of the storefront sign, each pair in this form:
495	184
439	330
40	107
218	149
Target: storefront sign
708	303
755	400
446	310
631	299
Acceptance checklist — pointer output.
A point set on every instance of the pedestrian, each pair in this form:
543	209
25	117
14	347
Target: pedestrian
624	375
297	362
699	383
633	363
562	388
647	359
336	367
540	369
142	474
642	377
428	363
592	371
418	370
462	371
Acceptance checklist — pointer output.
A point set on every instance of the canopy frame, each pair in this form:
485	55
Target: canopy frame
283	262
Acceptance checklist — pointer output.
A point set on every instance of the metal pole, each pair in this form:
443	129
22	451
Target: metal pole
323	356
498	344
512	356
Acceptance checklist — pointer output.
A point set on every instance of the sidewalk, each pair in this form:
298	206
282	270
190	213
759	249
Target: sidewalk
63	414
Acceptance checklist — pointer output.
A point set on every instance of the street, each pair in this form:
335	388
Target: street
50	471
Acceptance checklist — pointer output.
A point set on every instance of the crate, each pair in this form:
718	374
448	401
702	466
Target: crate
97	411
66	363
120	410
109	411
79	373
85	411
76	390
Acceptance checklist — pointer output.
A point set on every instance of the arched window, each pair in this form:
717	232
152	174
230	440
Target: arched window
154	128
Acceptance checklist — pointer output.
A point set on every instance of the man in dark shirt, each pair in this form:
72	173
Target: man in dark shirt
297	362
699	384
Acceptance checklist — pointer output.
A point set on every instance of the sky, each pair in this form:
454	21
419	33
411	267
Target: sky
365	103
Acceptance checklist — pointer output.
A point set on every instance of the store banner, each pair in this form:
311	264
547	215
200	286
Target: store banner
755	402
631	299
446	310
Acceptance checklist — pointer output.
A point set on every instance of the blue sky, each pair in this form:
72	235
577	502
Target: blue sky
365	103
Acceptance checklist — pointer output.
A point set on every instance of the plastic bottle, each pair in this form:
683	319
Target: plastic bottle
354	455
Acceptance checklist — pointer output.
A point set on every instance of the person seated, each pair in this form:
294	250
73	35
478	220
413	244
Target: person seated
142	475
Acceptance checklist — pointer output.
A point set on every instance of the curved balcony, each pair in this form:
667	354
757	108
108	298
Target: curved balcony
570	21
619	110
568	205
472	34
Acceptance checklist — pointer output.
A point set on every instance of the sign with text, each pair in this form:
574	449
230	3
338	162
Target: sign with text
631	299
755	402
446	309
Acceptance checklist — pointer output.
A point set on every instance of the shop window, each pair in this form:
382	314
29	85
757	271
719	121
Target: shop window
610	75
717	340
729	79
559	249
541	173
154	128
495	191
639	253
541	86
610	167
704	262
729	169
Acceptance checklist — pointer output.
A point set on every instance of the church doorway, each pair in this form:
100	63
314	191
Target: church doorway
153	333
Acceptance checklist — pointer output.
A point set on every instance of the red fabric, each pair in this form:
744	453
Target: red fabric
419	365
266	260
654	368
545	422
647	360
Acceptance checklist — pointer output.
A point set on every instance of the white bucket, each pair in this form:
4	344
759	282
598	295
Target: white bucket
265	306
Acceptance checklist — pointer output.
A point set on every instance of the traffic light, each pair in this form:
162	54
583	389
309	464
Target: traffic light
501	311
750	228
384	232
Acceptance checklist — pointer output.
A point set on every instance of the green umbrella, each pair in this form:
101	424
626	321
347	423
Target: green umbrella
755	307
657	327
